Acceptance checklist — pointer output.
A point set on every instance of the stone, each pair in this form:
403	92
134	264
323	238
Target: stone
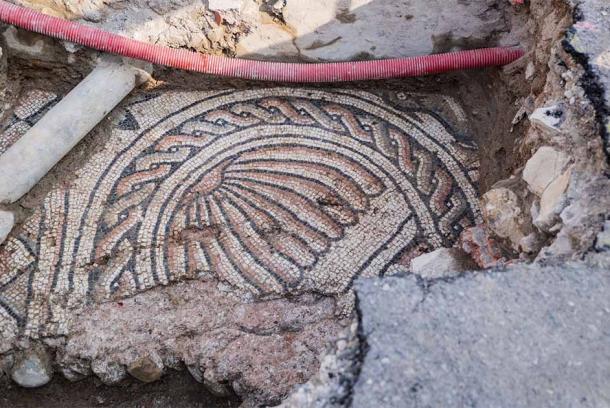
32	369
76	371
32	156
543	167
147	369
7	221
109	372
548	118
531	243
501	209
211	383
195	372
525	336
602	243
582	219
442	263
482	248
552	202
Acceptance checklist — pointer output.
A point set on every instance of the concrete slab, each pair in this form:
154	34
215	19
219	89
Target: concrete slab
526	337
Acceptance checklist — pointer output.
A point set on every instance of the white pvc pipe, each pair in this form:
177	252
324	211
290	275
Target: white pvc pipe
57	132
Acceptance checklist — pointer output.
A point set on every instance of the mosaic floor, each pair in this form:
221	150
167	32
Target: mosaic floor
269	191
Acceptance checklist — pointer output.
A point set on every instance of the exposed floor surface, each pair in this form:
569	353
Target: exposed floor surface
524	337
271	190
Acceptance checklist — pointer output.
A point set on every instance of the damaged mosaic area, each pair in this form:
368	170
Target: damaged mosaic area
31	107
269	191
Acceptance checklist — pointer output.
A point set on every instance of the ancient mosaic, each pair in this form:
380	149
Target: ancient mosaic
30	107
269	191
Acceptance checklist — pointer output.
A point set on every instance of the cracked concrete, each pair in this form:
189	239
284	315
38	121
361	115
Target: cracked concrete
529	335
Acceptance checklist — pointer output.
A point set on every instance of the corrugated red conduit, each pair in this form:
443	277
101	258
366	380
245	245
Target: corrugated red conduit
248	69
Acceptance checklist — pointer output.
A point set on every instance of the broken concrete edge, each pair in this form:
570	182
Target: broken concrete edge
488	339
338	390
588	41
29	159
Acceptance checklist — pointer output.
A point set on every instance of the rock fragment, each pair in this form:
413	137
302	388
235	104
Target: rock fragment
32	369
484	250
502	210
147	369
549	118
553	200
543	167
442	263
110	373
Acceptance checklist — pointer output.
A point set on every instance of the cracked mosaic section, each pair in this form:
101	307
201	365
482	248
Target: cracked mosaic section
270	191
28	110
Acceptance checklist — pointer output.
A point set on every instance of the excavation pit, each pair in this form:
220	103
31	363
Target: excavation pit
217	227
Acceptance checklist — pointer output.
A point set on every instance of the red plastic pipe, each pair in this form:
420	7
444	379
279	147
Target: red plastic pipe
248	69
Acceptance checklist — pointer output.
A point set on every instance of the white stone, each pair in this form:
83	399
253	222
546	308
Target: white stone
553	200
502	211
548	118
543	167
7	221
224	4
32	369
441	263
55	134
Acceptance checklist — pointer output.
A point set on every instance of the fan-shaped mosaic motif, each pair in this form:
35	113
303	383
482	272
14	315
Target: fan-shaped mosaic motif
270	191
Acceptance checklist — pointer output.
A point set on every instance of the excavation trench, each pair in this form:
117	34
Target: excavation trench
216	226
288	162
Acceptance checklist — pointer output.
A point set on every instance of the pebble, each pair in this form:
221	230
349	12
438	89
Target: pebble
32	369
147	369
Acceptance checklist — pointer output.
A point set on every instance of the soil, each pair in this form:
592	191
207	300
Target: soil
177	390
